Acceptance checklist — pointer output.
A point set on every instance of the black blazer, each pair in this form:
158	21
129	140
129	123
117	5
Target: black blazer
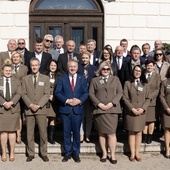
62	62
46	58
96	56
126	71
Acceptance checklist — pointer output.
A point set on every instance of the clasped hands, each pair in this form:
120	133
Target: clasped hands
8	105
34	107
105	107
137	111
73	102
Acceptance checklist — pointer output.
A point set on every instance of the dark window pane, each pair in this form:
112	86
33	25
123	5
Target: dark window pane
78	37
37	32
66	4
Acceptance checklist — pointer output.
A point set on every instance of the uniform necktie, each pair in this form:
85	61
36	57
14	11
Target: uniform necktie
137	83
59	50
105	80
72	83
149	77
7	90
52	75
15	68
35	81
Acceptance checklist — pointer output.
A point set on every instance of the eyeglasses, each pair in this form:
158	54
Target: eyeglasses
159	54
106	69
138	71
49	41
21	43
106	53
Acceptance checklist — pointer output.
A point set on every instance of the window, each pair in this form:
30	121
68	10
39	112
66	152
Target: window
66	4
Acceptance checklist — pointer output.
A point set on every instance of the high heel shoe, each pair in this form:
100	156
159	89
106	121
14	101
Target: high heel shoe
138	159
11	159
3	159
132	159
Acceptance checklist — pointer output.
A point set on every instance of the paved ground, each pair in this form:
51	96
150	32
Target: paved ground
150	161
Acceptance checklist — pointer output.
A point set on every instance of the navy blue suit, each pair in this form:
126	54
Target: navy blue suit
71	115
143	58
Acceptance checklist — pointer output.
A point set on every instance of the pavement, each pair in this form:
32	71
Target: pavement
151	154
150	161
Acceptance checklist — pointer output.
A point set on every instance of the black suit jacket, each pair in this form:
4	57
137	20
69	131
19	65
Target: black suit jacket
62	62
126	71
96	56
46	58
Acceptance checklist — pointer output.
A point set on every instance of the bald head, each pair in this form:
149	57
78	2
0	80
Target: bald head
158	44
119	51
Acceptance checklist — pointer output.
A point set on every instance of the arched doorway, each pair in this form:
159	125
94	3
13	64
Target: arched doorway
77	19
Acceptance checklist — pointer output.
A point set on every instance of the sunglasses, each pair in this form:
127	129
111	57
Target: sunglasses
106	69
49	41
21	43
159	54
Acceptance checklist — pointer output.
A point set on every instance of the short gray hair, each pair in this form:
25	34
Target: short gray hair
48	35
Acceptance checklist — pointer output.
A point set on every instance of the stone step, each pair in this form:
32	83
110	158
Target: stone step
94	147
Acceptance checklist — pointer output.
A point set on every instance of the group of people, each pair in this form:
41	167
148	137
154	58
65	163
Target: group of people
49	83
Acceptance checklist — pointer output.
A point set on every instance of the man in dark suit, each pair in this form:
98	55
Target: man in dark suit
71	91
22	49
43	57
127	67
91	46
35	94
69	55
119	59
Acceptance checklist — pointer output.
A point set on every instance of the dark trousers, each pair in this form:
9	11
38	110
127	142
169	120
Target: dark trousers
71	129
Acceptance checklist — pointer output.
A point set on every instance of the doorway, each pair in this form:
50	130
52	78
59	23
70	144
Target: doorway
72	21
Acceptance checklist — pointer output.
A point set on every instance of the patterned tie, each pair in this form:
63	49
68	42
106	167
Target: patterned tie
7	90
70	56
72	83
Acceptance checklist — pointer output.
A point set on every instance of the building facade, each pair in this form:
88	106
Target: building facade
107	21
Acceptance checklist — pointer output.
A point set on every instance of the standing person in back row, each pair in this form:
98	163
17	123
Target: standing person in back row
91	46
69	55
35	94
72	92
43	57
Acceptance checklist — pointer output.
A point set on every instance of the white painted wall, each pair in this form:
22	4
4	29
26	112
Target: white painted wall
14	21
139	21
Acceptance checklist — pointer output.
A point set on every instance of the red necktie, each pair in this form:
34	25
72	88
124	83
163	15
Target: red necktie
72	83
70	57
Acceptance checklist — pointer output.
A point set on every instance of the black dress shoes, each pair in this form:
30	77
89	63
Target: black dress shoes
30	158
167	156
45	158
113	161
66	158
76	158
103	160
